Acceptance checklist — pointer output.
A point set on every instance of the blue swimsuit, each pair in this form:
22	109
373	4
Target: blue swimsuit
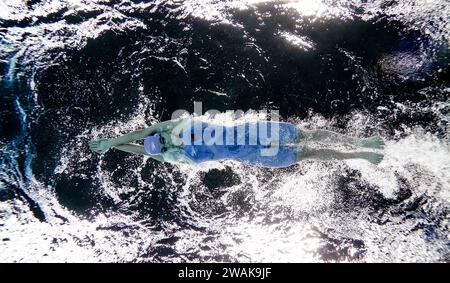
253	149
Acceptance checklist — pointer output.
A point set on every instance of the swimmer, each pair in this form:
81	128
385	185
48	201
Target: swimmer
187	142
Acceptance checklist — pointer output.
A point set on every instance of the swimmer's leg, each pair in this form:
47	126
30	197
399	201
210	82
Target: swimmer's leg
305	153
332	137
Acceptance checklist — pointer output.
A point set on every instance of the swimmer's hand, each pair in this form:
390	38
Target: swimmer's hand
100	146
373	142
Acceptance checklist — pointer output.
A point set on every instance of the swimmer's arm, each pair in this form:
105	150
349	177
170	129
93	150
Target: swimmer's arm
138	149
173	156
176	156
180	158
141	134
185	160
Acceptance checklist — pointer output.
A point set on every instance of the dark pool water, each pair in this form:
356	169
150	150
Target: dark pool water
74	72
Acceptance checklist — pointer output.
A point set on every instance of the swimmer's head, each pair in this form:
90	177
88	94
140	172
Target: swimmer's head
152	144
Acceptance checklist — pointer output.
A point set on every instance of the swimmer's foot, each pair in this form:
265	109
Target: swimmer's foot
372	157
99	146
373	142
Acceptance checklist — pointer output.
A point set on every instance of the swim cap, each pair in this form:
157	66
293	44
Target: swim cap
152	145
